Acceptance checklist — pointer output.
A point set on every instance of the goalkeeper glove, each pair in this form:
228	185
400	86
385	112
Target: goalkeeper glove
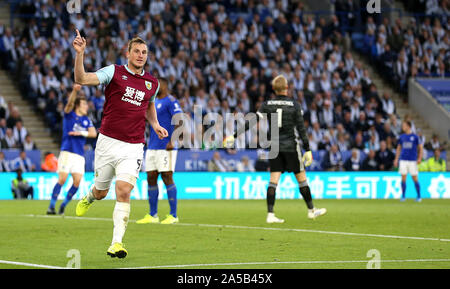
307	158
228	142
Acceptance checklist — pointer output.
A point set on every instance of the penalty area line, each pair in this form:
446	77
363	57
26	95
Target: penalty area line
261	228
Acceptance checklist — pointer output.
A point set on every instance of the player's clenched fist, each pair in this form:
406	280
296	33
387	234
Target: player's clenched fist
161	132
79	43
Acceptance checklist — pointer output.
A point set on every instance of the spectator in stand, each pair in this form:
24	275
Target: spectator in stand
3	128
19	132
372	144
13	118
361	123
200	47
50	163
333	160
401	70
9	142
342	142
217	164
434	143
353	163
20	187
422	138
358	142
433	164
4	164
384	157
348	124
395	125
28	144
388	105
370	163
23	163
387	132
245	165
3	107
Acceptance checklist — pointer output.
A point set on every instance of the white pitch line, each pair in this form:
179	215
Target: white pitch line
288	262
233	264
265	228
30	265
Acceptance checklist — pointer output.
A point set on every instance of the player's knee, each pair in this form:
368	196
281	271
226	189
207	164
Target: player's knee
123	190
62	179
124	184
152	178
167	178
76	182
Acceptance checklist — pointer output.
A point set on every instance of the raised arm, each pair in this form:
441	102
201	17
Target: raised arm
82	77
71	101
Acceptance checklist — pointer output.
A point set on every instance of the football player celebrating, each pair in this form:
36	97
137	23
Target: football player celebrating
129	101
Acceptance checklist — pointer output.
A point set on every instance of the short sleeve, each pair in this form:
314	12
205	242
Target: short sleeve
262	110
152	99
175	107
90	124
105	74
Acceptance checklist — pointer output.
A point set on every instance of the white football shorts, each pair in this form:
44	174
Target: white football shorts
70	163
116	158
160	160
408	167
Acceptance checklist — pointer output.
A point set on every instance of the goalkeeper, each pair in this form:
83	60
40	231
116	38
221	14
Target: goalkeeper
289	119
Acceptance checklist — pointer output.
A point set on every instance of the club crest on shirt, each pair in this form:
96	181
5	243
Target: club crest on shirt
148	84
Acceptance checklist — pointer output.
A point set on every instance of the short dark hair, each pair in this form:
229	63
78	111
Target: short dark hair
78	101
163	80
408	123
137	40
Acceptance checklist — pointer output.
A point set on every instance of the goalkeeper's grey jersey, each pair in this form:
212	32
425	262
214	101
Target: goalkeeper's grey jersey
289	121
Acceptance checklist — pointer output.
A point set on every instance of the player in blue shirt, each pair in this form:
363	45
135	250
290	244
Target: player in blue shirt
408	157
161	157
76	128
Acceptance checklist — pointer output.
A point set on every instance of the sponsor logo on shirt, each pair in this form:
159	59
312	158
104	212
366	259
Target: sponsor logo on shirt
133	96
148	84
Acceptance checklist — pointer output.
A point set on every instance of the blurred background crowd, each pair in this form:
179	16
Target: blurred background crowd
222	55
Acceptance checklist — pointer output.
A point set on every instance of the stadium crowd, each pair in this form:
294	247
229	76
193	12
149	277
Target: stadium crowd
222	55
419	48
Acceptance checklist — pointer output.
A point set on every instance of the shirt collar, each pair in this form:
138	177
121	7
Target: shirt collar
126	67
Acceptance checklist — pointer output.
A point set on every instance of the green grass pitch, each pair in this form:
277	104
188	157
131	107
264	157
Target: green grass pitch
232	234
